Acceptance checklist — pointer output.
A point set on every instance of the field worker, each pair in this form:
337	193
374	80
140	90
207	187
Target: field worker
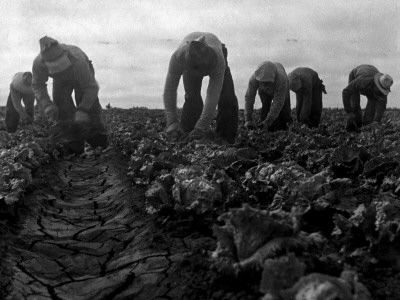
308	88
272	84
368	81
20	89
201	54
71	70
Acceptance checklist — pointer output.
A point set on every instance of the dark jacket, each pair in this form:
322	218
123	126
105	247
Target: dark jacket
361	81
310	83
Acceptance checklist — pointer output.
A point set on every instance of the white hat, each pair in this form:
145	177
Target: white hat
383	82
294	82
22	81
199	55
54	55
266	72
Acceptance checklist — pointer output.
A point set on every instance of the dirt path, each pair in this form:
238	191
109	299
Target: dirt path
84	236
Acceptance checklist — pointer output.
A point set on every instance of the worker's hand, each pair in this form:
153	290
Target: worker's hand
263	125
351	122
196	134
351	117
51	112
373	126
174	131
81	117
25	118
249	125
352	125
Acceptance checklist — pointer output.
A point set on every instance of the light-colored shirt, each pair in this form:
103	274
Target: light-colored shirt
18	83
82	73
281	89
177	66
18	90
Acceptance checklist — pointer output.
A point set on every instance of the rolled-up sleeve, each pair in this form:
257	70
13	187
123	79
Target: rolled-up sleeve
307	100
280	93
88	84
380	108
211	102
354	87
170	89
40	76
249	98
16	100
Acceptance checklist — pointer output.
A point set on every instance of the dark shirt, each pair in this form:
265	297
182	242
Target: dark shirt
309	81
362	83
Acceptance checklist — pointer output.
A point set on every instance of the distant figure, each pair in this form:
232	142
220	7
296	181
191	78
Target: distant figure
308	88
368	81
20	89
71	70
201	54
272	84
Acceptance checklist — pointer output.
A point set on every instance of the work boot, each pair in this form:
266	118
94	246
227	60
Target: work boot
73	147
69	136
96	135
98	140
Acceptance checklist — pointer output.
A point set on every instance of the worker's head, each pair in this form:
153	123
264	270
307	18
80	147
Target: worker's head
383	82
22	81
266	74
54	55
294	82
27	79
200	58
267	88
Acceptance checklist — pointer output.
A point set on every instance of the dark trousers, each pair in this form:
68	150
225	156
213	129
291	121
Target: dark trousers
12	117
95	133
228	107
284	118
316	107
374	109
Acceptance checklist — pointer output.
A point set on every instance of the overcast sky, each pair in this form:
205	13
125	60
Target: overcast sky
130	42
